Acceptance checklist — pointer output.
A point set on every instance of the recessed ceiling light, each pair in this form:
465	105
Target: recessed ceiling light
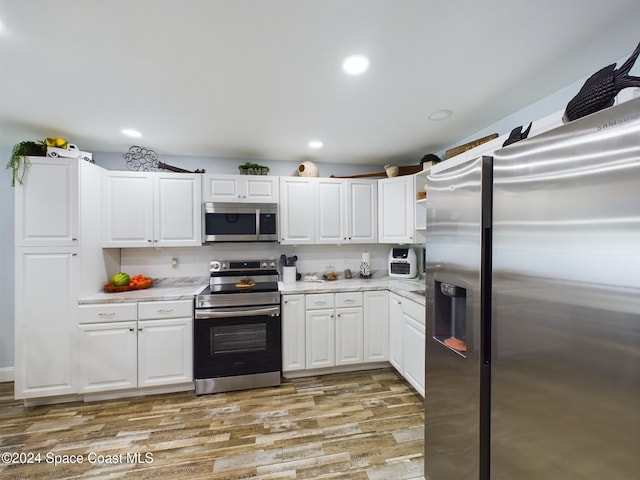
355	64
131	133
315	144
440	115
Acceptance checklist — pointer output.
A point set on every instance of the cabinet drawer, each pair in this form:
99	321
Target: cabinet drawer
349	299
174	309
315	301
414	310
108	312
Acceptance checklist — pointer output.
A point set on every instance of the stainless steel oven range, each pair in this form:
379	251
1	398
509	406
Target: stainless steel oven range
237	328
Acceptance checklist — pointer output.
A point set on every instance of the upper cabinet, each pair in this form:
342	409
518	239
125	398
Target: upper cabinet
327	210
152	209
396	200
47	203
240	188
402	216
346	211
297	210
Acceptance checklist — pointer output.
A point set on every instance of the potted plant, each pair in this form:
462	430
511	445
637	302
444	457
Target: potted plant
21	150
253	169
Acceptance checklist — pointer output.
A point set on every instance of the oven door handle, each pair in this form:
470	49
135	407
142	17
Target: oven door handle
237	312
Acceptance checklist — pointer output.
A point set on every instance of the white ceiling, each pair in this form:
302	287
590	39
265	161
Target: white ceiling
260	78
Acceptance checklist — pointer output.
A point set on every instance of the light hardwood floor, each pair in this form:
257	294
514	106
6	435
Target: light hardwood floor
365	425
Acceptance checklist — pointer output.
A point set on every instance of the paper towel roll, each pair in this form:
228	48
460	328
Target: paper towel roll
365	257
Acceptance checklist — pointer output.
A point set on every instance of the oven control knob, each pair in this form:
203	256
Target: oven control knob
215	266
272	265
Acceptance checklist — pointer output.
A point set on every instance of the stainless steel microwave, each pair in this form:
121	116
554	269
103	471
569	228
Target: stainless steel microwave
239	222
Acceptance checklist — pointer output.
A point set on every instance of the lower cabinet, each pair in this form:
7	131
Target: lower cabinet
323	330
131	345
407	339
293	333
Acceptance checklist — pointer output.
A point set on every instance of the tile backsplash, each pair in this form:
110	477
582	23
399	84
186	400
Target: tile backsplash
194	261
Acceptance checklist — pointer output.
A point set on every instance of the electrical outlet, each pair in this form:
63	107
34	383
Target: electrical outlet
174	263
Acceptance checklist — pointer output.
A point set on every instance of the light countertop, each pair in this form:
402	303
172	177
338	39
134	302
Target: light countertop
184	288
400	286
163	289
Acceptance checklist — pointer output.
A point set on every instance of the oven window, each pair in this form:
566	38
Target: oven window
238	338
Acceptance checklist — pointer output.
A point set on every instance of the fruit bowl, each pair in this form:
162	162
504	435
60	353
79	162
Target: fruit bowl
137	285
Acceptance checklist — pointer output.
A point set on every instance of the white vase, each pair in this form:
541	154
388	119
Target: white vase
392	170
308	169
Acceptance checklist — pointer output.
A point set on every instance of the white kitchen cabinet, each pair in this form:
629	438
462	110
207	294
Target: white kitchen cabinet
46	204
142	345
362	207
320	338
376	326
396	328
334	329
45	347
331	218
240	188
108	354
346	211
297	210
58	256
151	209
396	199
414	316
165	351
293	333
407	339
349	335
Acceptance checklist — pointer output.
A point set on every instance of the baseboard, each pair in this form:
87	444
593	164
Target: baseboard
6	374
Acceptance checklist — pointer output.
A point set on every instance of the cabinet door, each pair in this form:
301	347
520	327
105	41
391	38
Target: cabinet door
177	215
165	351
107	356
45	330
293	333
331	211
395	331
261	189
376	326
240	188
46	203
128	209
349	335
320	338
395	210
221	188
414	349
363	211
297	210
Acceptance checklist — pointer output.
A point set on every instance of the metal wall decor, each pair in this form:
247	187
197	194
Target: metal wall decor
141	158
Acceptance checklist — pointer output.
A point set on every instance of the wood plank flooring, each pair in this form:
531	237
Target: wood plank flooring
365	425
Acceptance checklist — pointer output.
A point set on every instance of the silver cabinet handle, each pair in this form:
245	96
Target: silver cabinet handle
139	329
349	300
131	329
107	315
318	302
165	311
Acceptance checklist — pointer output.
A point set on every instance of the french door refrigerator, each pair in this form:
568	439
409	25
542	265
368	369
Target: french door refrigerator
533	307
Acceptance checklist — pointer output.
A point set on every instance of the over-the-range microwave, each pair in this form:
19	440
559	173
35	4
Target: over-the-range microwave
239	222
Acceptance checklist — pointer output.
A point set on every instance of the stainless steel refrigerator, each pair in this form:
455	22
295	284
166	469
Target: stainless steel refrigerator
533	307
